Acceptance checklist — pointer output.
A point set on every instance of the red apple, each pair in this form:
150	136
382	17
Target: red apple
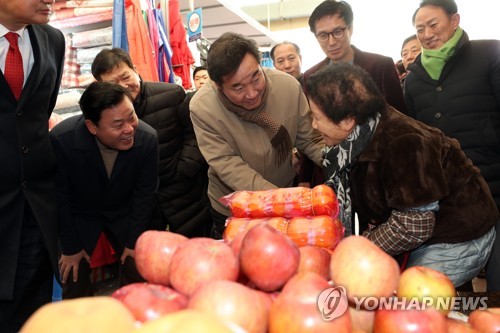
363	269
459	326
188	321
200	260
153	253
232	302
405	321
314	259
268	258
486	320
431	287
361	320
149	301
81	315
297	308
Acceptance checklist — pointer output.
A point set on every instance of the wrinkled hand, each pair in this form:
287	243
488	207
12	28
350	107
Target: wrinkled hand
127	253
70	263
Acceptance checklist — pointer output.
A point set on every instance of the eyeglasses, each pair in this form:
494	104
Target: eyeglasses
338	33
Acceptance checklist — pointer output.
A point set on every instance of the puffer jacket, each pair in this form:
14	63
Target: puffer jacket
464	103
182	170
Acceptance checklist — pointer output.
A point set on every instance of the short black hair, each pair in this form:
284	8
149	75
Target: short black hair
330	8
226	54
407	39
197	69
449	6
297	48
342	90
108	59
100	96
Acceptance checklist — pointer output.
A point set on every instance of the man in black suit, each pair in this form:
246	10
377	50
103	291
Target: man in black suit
28	215
107	181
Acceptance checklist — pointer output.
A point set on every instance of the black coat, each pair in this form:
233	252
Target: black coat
91	202
27	164
464	103
183	170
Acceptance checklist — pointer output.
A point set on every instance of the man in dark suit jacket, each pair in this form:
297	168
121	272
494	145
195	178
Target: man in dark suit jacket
28	215
332	24
107	181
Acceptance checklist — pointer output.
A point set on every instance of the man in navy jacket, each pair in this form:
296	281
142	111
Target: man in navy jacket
107	181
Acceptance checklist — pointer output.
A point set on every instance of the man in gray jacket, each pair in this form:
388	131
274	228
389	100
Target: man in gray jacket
247	120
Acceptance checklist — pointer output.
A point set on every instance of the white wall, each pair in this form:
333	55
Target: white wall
381	26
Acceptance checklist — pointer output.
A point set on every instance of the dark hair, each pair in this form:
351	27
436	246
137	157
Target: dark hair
330	8
109	59
197	69
449	6
407	39
342	90
297	48
100	96
226	54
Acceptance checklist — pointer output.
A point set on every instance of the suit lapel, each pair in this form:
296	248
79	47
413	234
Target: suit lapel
39	45
85	142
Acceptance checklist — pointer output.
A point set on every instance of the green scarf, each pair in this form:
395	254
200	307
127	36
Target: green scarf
434	60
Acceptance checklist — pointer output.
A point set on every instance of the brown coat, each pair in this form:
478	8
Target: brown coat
408	164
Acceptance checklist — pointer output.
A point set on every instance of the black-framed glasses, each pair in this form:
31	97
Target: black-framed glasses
338	33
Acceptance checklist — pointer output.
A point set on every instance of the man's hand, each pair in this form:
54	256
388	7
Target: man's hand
69	263
127	253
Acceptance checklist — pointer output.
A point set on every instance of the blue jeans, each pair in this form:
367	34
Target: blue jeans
461	262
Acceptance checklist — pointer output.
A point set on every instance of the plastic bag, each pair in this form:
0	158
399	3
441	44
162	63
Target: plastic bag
283	202
323	231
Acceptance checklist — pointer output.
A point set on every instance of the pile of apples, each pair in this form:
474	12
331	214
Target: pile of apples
260	282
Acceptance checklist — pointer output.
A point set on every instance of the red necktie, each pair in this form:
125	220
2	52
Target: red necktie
14	65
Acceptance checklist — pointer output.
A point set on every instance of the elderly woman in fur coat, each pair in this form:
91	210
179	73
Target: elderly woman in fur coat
415	192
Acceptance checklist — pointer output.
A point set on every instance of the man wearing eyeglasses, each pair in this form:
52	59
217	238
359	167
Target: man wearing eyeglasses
332	24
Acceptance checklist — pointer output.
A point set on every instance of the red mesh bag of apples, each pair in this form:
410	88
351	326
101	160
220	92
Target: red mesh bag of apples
283	202
322	231
307	216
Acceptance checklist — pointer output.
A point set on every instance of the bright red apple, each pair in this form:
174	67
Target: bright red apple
296	309
406	321
233	302
459	326
314	259
431	288
486	320
153	253
361	320
268	258
200	260
149	301
363	269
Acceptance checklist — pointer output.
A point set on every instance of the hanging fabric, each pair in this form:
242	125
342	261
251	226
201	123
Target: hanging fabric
182	59
119	24
165	71
140	46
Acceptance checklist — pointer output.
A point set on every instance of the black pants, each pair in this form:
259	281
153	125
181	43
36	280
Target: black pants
83	287
219	224
34	276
